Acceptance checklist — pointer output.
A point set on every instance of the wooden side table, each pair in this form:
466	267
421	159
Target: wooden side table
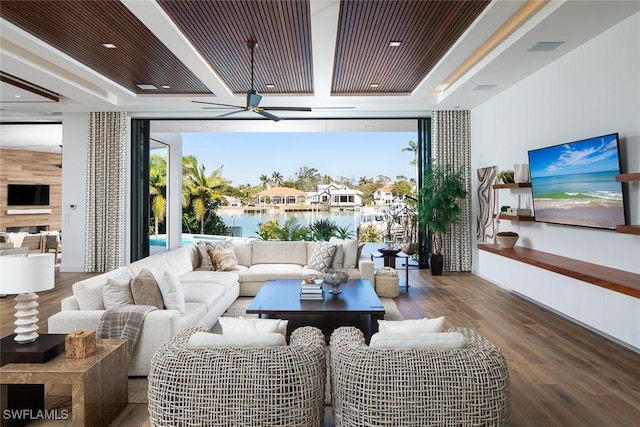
99	382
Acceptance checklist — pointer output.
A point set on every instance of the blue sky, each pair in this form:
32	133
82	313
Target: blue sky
246	156
591	155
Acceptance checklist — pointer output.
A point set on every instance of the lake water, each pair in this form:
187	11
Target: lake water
249	221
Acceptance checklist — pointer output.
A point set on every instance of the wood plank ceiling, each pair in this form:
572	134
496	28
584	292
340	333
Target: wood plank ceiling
283	58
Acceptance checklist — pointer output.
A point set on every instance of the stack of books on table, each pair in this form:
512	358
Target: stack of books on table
311	291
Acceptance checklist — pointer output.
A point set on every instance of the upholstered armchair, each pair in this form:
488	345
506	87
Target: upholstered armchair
248	386
410	387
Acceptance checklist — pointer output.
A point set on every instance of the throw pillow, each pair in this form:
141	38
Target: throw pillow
223	259
350	248
171	290
205	261
359	253
411	326
116	293
145	290
438	340
322	256
251	326
206	339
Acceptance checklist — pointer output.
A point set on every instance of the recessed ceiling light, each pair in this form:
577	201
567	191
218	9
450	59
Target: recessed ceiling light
484	87
109	45
17	96
375	85
146	86
545	46
270	85
166	87
395	43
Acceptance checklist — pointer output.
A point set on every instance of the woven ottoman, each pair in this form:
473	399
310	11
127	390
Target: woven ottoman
387	283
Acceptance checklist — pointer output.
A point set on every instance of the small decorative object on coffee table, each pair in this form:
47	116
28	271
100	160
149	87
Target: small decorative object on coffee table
336	278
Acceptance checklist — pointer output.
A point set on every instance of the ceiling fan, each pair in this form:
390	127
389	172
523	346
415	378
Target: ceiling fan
253	99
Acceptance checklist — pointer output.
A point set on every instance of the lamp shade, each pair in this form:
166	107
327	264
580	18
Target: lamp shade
21	274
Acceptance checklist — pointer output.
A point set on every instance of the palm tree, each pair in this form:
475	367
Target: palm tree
264	181
412	148
277	178
157	188
202	189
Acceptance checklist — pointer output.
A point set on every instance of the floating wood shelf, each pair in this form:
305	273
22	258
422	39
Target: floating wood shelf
628	229
514	217
628	177
512	185
610	278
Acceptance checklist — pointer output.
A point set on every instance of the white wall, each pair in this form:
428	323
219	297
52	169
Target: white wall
591	91
74	172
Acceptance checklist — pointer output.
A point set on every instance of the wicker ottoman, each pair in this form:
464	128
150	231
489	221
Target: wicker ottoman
387	282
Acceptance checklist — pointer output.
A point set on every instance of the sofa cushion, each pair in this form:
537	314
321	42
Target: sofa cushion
193	313
156	264
243	250
270	252
206	339
437	340
203	252
88	292
227	279
145	290
172	294
243	326
223	259
322	256
208	294
116	292
180	259
262	272
411	326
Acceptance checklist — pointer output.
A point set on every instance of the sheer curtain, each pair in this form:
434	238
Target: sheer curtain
106	189
450	145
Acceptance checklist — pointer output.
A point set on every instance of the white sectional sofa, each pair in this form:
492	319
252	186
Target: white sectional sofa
207	293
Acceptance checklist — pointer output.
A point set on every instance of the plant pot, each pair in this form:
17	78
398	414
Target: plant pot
436	263
506	242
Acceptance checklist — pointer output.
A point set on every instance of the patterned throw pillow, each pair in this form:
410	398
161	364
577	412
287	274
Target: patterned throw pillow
145	290
223	259
203	249
322	256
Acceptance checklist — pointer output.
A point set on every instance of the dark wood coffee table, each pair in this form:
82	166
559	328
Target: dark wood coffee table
357	305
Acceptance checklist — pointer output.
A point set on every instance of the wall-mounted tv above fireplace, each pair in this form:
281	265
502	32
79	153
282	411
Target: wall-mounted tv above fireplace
27	195
574	183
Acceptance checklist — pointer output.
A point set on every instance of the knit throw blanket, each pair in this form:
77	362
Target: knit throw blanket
125	322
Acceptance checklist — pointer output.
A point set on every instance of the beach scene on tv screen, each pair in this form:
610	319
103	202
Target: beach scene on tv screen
575	184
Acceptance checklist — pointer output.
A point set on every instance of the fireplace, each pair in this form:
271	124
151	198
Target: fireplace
28	229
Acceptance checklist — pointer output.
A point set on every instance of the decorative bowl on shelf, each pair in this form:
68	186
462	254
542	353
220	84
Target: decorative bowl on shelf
335	278
507	239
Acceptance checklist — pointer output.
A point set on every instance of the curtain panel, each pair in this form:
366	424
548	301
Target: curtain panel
450	145
105	192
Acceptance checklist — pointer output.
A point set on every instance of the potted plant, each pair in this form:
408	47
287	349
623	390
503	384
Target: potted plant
438	208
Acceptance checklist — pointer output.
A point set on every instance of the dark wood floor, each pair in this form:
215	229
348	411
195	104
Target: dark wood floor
561	374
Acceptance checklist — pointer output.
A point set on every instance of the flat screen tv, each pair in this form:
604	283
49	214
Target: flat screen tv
27	195
574	183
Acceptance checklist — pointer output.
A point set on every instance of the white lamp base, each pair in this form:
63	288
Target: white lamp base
26	321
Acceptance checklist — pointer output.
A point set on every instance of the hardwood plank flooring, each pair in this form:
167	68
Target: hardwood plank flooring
561	373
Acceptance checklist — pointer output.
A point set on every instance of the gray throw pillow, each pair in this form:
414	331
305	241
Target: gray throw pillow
145	290
322	256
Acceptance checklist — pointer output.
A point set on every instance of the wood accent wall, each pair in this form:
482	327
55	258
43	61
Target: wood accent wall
31	167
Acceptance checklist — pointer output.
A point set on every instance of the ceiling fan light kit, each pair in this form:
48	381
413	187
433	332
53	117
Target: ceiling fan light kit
253	98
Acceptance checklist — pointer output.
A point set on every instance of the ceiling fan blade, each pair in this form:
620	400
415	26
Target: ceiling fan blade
307	109
230	113
216	103
268	115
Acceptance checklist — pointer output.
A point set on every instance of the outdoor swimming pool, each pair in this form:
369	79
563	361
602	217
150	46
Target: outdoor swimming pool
161	240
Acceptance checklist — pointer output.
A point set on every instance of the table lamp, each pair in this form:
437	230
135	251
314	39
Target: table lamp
24	275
